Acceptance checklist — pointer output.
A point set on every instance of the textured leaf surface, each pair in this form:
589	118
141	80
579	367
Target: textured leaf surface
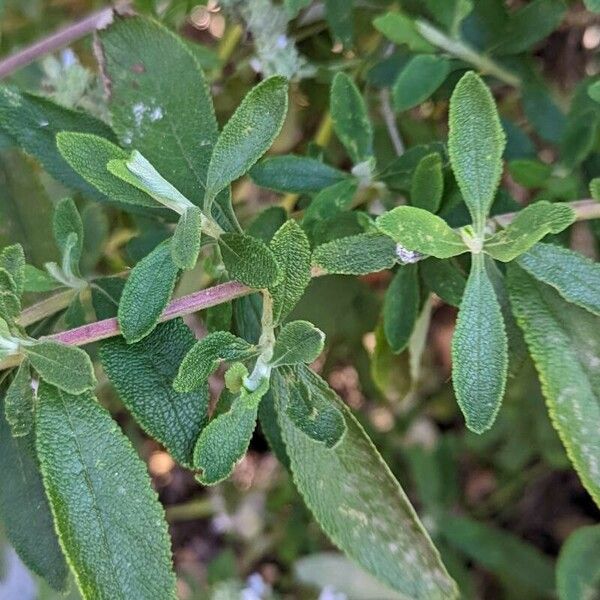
110	523
291	249
12	260
147	292
330	201
360	505
24	510
420	78
475	144
418	229
350	118
401	307
529	226
66	224
427	187
19	402
185	244
356	254
67	367
564	342
578	567
248	260
479	351
206	354
248	134
297	342
444	279
295	174
575	277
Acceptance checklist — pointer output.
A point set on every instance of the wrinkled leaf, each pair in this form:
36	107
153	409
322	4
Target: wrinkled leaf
297	342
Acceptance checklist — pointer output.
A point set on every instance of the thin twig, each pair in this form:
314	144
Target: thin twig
389	119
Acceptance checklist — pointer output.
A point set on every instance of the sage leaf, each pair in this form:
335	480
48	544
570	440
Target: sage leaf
529	226
350	118
417	230
266	224
248	134
339	18
401	29
297	342
479	351
24	510
291	250
267	417
185	245
87	463
225	440
449	13
88	155
575	277
420	78
19	402
444	279
427	187
36	280
248	260
358	503
295	174
12	260
578	566
67	367
206	354
401	307
563	341
68	233
356	254
147	292
330	201
10	305
476	142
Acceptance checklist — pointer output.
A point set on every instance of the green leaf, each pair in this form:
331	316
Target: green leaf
66	224
34	122
575	277
339	15
291	249
443	279
147	292
12	260
24	510
475	144
185	245
594	6
400	29
479	351
356	254
401	307
350	118
418	230
578	566
248	134
267	222
19	402
330	201
248	260
357	501
529	226
449	13
88	155
295	174
103	504
530	172
419	79
36	280
225	440
594	88
297	342
595	188
564	342
66	367
427	187
204	357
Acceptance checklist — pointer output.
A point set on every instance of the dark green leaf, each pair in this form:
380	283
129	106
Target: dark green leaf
419	79
103	504
401	307
449	13
400	29
185	244
444	279
19	402
267	222
530	172
12	260
297	342
427	186
339	15
578	567
66	224
330	201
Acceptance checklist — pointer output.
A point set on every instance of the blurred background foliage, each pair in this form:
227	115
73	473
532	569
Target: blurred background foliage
500	506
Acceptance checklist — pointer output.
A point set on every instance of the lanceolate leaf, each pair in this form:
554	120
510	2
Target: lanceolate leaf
529	226
356	254
420	78
475	144
291	249
297	342
147	293
12	260
358	503
479	351
24	510
330	201
578	567
400	29
108	518
418	230
401	307
350	118
185	244
427	186
575	277
66	367
296	174
19	402
248	134
564	342
67	223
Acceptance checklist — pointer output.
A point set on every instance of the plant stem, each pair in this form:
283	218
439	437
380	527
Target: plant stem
61	38
46	307
461	50
389	119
